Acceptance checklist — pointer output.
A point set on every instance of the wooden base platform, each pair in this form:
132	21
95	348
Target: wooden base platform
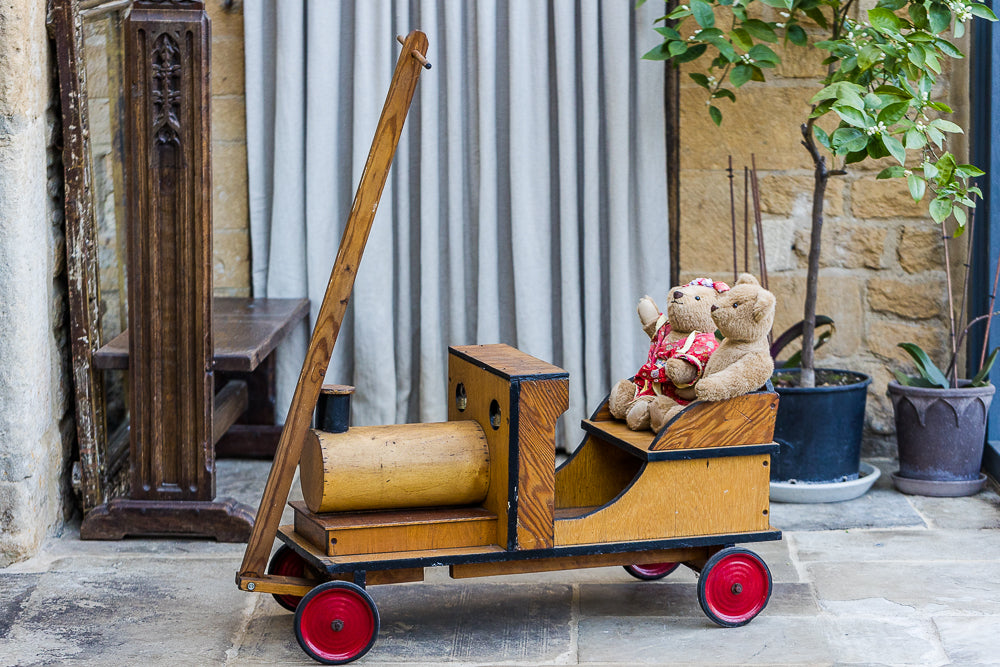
223	519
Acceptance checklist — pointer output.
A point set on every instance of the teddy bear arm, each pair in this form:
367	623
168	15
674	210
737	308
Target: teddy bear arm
681	372
745	375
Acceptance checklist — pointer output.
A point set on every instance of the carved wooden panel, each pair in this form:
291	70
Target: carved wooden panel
169	246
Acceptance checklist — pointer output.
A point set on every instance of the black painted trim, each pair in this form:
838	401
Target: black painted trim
513	378
533	554
513	464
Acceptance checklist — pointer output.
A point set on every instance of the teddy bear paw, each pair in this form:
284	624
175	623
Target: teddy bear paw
620	400
637	418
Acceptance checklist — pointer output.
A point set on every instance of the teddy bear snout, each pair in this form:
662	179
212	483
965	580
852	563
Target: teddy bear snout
678	295
714	308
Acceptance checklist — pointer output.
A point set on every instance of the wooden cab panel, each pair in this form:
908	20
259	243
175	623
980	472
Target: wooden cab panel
679	498
516	398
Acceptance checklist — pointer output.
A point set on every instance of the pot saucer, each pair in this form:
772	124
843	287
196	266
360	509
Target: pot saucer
926	487
825	492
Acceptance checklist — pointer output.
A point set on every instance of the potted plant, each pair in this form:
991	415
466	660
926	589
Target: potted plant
878	95
940	419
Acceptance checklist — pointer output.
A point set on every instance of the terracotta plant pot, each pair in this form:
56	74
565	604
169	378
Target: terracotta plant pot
940	434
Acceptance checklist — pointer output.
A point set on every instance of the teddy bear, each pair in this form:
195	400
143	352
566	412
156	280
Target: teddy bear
681	343
742	364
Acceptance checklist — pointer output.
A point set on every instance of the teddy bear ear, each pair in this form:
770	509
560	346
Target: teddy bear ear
746	279
764	304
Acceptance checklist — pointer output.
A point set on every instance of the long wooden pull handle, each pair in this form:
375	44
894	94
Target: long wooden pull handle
331	311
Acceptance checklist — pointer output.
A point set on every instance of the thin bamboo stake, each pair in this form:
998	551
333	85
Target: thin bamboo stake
951	308
993	299
761	258
732	216
971	227
746	218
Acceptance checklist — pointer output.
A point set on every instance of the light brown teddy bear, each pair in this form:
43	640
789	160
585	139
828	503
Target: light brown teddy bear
742	363
681	343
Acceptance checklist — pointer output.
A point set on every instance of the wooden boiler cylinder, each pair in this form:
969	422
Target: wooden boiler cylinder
393	467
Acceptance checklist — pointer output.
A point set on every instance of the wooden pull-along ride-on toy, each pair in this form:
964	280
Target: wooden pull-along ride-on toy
480	493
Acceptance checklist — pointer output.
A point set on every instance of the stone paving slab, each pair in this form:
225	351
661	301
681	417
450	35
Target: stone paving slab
768	640
127	612
681	600
907	588
897	545
970	640
486	623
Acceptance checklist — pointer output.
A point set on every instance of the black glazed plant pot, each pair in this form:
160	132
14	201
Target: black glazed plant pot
818	429
941	434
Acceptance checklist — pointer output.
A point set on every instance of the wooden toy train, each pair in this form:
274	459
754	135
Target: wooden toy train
481	493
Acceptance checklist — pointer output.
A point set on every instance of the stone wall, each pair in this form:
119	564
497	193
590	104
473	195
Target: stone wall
36	428
882	278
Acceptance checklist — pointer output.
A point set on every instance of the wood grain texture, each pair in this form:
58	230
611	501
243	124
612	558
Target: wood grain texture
506	361
395	466
595	474
743	420
481	389
540	403
224	520
169	221
334	304
229	404
81	249
395	531
468	570
679	498
245	333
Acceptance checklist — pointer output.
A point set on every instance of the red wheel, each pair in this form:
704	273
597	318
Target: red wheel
734	587
336	622
286	563
651	571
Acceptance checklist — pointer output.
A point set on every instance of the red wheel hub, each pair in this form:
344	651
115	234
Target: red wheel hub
336	624
736	588
652	570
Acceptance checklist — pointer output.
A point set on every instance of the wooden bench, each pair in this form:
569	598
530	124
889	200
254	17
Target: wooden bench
196	364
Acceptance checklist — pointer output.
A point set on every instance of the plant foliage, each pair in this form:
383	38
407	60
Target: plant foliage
929	375
882	66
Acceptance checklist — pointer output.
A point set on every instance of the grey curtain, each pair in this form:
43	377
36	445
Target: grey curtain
526	204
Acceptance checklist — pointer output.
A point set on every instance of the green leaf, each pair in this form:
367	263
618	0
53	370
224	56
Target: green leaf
915	139
883	19
892	4
935	135
940	209
763	53
895	148
916	55
740	75
716	115
969	171
960	218
939	17
894	91
741	38
796	35
925	366
875	148
946	169
702	12
760	30
817	15
857	156
699	78
822	137
725	48
918	14
949	49
930	171
917	186
981	379
868	56
658	53
946	125
724	92
668	33
848	140
892	113
850	115
911	381
982	11
690	54
895	171
757	74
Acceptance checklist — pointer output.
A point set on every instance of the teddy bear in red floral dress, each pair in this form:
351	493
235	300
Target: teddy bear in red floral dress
680	344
